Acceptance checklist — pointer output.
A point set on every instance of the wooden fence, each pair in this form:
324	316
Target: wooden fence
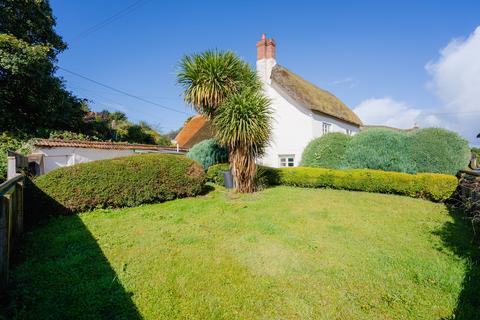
11	223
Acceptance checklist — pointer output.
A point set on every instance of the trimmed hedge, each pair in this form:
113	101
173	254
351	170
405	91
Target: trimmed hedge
208	153
264	177
379	149
121	182
328	151
438	150
431	186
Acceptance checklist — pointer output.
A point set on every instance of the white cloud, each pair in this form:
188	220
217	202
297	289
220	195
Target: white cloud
387	111
456	81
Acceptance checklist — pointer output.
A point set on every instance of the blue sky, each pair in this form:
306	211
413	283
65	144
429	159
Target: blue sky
382	58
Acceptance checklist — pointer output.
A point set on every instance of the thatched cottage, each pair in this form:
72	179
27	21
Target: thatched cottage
301	110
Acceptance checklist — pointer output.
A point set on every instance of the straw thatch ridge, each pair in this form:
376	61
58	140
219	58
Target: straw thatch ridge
312	96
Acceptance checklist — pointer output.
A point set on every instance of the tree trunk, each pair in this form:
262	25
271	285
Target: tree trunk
243	169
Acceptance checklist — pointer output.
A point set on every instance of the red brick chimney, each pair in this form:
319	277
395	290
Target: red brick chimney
266	48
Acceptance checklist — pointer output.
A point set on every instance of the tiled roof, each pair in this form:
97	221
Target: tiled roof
194	131
55	143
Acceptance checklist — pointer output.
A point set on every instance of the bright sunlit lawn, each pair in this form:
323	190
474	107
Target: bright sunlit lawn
283	253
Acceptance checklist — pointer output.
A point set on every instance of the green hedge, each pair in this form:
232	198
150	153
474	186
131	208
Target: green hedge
215	173
438	150
379	149
328	151
431	186
121	182
208	153
264	177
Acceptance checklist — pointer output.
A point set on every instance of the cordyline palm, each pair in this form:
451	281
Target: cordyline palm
243	125
210	77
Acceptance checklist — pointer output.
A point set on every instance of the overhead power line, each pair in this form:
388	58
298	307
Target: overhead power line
102	24
123	92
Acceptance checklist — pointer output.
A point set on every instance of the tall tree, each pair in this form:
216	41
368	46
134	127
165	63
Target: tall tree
32	99
243	125
221	86
210	77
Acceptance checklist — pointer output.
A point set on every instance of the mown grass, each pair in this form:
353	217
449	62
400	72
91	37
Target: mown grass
283	253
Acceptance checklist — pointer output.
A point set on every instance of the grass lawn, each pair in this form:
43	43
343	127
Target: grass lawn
283	253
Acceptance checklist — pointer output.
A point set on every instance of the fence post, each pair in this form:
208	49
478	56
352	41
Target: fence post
3	244
19	212
11	167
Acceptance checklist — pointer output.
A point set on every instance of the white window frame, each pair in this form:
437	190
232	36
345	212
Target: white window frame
349	132
286	160
326	128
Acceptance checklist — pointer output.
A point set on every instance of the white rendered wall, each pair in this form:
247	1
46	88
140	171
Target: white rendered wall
294	125
63	156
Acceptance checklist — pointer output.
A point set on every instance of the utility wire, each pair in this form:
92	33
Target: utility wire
123	92
102	24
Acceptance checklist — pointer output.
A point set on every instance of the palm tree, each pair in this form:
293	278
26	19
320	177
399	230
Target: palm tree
210	77
243	125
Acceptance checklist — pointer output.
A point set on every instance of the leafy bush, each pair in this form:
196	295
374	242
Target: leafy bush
380	149
208	153
69	135
264	177
215	173
432	186
122	182
438	150
327	151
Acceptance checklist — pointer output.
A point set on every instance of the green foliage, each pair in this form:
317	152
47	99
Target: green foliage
244	121
476	151
264	176
379	149
115	126
243	124
68	135
438	150
431	186
210	77
327	151
121	182
9	142
208	153
33	100
32	22
215	173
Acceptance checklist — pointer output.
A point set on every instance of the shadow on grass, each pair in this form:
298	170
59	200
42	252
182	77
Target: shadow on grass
458	236
60	272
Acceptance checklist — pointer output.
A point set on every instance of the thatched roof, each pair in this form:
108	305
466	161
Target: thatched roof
195	130
312	96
